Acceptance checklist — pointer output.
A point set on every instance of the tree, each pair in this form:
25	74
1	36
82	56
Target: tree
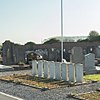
53	40
84	40
30	43
93	35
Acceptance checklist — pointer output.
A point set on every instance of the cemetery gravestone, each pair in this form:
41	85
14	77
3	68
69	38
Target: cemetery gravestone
89	62
64	68
51	69
57	70
79	72
40	68
71	72
46	69
97	52
34	67
76	55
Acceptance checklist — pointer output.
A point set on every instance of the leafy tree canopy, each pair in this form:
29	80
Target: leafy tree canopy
29	43
53	40
93	36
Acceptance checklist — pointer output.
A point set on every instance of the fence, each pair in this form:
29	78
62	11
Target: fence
56	70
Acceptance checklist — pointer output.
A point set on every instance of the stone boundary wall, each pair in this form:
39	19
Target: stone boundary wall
14	53
56	70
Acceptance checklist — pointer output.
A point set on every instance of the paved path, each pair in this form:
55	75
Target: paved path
4	96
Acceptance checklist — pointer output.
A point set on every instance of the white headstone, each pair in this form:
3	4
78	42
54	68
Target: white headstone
71	72
57	70
40	68
34	67
46	69
79	72
64	69
51	69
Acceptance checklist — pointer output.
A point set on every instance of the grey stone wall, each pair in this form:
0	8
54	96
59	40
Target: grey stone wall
18	53
14	53
7	53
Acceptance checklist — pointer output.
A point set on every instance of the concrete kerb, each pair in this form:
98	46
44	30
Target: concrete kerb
17	98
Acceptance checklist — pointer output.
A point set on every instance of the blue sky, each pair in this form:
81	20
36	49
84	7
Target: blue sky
35	20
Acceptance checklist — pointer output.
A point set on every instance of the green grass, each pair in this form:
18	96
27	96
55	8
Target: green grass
91	96
95	77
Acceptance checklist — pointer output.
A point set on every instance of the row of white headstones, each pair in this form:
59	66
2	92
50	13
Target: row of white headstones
56	70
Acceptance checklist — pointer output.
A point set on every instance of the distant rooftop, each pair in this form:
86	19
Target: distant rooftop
68	38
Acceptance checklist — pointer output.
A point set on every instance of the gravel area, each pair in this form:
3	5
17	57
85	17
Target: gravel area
29	93
15	72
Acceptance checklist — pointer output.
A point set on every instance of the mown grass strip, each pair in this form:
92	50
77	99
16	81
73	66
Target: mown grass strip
95	77
91	96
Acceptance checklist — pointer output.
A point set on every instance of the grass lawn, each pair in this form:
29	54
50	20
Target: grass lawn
95	95
95	77
91	96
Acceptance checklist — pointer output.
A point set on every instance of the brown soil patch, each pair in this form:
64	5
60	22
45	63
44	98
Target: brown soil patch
34	81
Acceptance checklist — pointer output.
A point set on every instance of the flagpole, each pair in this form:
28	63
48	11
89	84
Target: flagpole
62	30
